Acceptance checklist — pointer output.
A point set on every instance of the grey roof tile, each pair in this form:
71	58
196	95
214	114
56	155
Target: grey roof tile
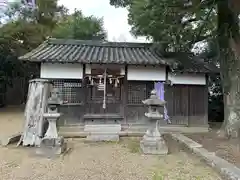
78	51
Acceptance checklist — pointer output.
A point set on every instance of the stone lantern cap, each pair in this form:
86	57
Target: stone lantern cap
54	99
154	100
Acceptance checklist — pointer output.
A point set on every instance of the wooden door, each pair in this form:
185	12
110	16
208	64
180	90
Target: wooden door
177	100
113	96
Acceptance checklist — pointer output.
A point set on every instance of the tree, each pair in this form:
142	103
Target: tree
182	23
77	26
29	27
215	94
229	52
25	28
170	22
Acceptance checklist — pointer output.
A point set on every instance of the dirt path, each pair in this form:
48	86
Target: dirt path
105	161
228	149
11	120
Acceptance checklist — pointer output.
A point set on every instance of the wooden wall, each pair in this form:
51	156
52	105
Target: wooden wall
186	104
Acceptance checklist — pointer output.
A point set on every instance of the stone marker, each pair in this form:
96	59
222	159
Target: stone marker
52	144
152	142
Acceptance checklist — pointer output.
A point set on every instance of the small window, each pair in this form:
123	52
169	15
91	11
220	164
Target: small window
70	90
138	91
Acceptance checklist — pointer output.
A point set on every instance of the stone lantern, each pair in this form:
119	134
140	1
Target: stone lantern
152	142
52	144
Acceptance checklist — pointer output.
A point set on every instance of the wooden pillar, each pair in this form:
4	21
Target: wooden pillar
189	102
125	95
206	102
84	86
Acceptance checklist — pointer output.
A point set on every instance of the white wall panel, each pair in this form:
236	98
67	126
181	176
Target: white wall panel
148	73
61	71
187	78
89	67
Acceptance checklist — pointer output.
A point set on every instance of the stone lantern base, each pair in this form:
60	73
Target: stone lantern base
51	147
153	144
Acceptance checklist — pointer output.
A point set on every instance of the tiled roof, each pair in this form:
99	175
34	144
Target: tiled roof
55	50
188	62
102	52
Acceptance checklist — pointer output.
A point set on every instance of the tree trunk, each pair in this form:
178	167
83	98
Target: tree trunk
229	51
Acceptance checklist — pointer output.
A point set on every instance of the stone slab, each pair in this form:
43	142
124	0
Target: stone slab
116	128
51	152
227	170
202	152
102	132
185	140
156	148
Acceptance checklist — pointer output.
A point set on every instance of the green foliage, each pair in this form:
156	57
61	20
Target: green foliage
180	24
120	3
77	26
215	103
26	28
174	22
215	94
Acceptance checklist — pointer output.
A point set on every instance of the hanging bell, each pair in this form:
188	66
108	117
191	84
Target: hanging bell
100	80
110	80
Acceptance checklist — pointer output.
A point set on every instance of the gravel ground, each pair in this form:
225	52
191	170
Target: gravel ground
102	161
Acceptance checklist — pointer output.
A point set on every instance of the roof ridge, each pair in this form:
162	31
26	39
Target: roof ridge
101	43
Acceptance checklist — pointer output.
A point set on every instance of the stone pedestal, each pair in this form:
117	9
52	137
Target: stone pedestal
51	144
51	147
52	124
153	142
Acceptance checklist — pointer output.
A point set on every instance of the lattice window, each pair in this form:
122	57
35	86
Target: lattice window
70	90
138	91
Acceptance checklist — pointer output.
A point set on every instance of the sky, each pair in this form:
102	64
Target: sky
115	19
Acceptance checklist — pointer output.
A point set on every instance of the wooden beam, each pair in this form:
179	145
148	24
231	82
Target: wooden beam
206	101
84	86
125	94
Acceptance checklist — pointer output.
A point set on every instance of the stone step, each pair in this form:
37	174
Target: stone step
102	128
71	128
103	132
